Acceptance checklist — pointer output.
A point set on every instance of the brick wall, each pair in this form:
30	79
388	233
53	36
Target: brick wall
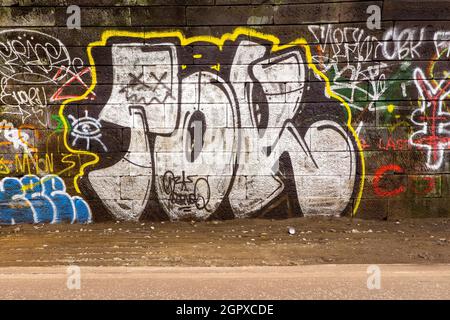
223	109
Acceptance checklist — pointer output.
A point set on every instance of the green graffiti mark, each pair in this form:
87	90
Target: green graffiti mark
60	125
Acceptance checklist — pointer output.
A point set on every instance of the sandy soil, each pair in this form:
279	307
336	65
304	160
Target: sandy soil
259	242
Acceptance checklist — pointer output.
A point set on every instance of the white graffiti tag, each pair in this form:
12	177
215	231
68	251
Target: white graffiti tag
32	65
349	56
86	128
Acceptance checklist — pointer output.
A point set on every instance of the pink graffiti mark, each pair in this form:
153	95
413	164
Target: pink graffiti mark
74	77
434	136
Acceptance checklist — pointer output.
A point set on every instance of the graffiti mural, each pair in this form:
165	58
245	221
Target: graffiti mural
160	125
212	134
36	71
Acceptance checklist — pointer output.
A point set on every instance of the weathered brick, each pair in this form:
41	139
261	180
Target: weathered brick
416	10
307	13
419	208
373	209
228	15
158	16
26	17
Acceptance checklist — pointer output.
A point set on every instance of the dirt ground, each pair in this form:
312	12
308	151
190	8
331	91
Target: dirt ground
257	242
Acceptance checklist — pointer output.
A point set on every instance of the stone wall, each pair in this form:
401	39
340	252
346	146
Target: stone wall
218	109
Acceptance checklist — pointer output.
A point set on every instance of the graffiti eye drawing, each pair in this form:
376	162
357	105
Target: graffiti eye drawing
86	128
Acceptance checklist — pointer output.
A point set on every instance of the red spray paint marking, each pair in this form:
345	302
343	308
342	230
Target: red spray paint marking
381	192
379	175
75	77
